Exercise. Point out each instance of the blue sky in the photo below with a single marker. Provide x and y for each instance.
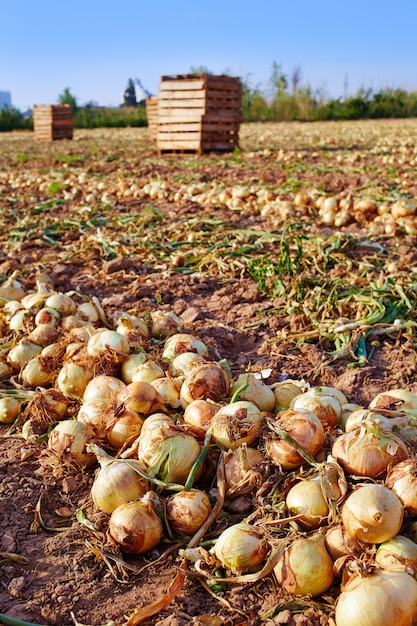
(94, 47)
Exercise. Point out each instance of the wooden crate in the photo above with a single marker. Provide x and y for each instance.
(198, 113)
(52, 121)
(152, 115)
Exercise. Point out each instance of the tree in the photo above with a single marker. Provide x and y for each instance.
(278, 81)
(66, 97)
(296, 78)
(129, 95)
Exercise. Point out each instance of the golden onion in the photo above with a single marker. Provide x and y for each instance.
(241, 548)
(188, 510)
(372, 513)
(237, 423)
(135, 527)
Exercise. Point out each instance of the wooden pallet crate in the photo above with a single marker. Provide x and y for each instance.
(52, 122)
(198, 113)
(152, 115)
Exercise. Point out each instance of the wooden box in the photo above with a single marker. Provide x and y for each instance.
(198, 113)
(152, 115)
(52, 121)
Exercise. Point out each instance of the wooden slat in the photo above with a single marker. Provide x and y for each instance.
(181, 84)
(180, 127)
(182, 95)
(174, 137)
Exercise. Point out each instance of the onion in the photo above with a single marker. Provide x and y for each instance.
(68, 441)
(95, 412)
(34, 374)
(372, 513)
(303, 426)
(37, 298)
(11, 289)
(242, 471)
(167, 450)
(147, 372)
(398, 552)
(88, 311)
(134, 328)
(131, 363)
(135, 527)
(167, 391)
(188, 510)
(306, 498)
(256, 391)
(9, 409)
(103, 386)
(21, 321)
(141, 397)
(402, 480)
(383, 598)
(339, 544)
(182, 342)
(237, 423)
(241, 548)
(369, 451)
(73, 379)
(199, 415)
(117, 482)
(165, 324)
(305, 568)
(327, 408)
(44, 334)
(106, 340)
(126, 425)
(47, 315)
(62, 303)
(395, 400)
(181, 365)
(205, 381)
(284, 392)
(22, 352)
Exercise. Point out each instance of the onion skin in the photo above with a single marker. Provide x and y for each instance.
(68, 441)
(135, 527)
(303, 426)
(402, 480)
(199, 415)
(205, 381)
(306, 498)
(241, 548)
(383, 598)
(372, 514)
(188, 510)
(369, 451)
(256, 392)
(237, 423)
(305, 567)
(117, 483)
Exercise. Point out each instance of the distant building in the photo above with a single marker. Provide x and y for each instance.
(5, 99)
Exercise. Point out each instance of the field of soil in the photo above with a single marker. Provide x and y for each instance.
(293, 257)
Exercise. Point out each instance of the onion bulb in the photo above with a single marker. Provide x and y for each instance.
(395, 400)
(123, 427)
(303, 426)
(116, 482)
(106, 340)
(306, 498)
(68, 440)
(73, 379)
(135, 527)
(147, 372)
(167, 391)
(181, 365)
(9, 409)
(237, 423)
(305, 567)
(372, 513)
(103, 386)
(284, 392)
(166, 449)
(255, 391)
(398, 552)
(139, 396)
(182, 342)
(327, 408)
(164, 324)
(241, 548)
(382, 598)
(205, 381)
(402, 480)
(131, 363)
(369, 451)
(188, 510)
(199, 414)
(242, 470)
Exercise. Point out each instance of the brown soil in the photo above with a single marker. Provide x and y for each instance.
(66, 575)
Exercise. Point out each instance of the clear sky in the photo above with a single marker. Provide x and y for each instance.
(94, 46)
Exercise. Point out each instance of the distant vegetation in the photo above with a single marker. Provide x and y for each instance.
(284, 100)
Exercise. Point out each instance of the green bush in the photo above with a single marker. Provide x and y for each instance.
(12, 119)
